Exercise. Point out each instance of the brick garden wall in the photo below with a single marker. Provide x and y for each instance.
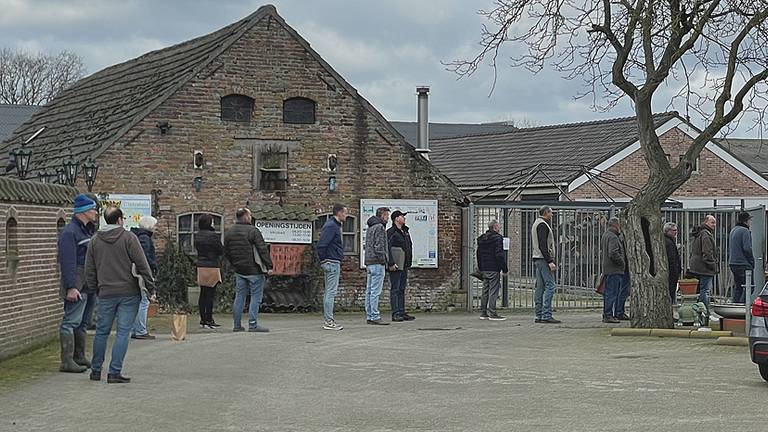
(715, 176)
(29, 297)
(269, 65)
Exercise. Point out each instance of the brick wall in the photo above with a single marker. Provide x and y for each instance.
(715, 176)
(269, 65)
(30, 309)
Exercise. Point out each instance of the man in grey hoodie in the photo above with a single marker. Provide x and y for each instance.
(740, 257)
(376, 256)
(114, 256)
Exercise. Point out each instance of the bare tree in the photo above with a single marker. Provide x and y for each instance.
(35, 78)
(715, 50)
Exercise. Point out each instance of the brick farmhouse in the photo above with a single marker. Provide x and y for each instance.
(247, 114)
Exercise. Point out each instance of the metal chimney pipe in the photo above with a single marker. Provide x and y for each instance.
(423, 118)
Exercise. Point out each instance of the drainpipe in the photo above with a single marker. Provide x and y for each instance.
(423, 118)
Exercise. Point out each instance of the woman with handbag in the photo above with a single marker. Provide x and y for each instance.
(209, 252)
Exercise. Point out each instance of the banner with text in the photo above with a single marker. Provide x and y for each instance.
(133, 207)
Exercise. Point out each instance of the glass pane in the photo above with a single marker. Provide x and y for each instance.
(349, 243)
(186, 244)
(185, 223)
(195, 221)
(349, 225)
(217, 223)
(274, 180)
(236, 108)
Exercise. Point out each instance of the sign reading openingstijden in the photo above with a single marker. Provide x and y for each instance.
(285, 231)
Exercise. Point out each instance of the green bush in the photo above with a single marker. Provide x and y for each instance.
(175, 273)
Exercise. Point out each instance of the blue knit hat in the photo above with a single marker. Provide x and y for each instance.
(83, 204)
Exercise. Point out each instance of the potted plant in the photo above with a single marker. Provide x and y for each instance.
(688, 286)
(175, 274)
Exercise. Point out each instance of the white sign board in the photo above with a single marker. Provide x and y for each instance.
(421, 220)
(133, 207)
(285, 231)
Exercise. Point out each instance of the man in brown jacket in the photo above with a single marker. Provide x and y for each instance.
(704, 257)
(114, 256)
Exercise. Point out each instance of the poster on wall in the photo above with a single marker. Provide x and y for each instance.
(133, 207)
(285, 231)
(421, 220)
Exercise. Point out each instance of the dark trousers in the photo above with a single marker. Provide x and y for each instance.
(398, 280)
(491, 286)
(739, 280)
(205, 303)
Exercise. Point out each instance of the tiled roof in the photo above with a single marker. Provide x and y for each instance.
(285, 212)
(410, 130)
(752, 151)
(29, 191)
(90, 116)
(489, 159)
(13, 116)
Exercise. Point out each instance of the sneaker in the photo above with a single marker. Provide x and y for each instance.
(550, 321)
(398, 319)
(408, 317)
(376, 322)
(331, 325)
(213, 324)
(117, 379)
(258, 329)
(144, 337)
(238, 329)
(623, 317)
(537, 320)
(484, 316)
(493, 316)
(610, 320)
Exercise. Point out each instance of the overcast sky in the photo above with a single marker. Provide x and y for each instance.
(384, 48)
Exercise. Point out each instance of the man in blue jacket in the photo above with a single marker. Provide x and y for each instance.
(330, 251)
(79, 299)
(491, 260)
(740, 257)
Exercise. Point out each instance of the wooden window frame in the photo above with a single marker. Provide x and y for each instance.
(261, 148)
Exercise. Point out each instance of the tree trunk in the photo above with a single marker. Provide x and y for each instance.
(650, 306)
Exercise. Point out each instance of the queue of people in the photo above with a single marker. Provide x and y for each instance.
(117, 269)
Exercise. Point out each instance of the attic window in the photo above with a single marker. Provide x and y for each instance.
(236, 108)
(299, 110)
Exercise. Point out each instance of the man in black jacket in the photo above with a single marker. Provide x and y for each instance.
(673, 258)
(490, 261)
(400, 245)
(241, 243)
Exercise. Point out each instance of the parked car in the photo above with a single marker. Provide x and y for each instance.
(758, 332)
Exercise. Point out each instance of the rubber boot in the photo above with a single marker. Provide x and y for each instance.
(79, 353)
(67, 351)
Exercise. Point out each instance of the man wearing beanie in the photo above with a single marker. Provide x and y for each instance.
(78, 298)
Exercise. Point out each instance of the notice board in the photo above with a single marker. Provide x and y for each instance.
(421, 219)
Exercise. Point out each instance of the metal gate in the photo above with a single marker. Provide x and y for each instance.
(578, 230)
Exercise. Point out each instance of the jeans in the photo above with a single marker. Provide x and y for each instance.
(398, 280)
(705, 286)
(77, 314)
(491, 287)
(140, 325)
(332, 272)
(615, 295)
(373, 291)
(244, 285)
(124, 309)
(545, 289)
(739, 280)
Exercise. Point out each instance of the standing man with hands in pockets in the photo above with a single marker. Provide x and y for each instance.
(330, 251)
(543, 244)
(490, 261)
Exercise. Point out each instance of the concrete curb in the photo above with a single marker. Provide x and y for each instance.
(630, 332)
(674, 333)
(732, 341)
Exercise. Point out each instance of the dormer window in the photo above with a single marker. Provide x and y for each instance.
(236, 108)
(299, 110)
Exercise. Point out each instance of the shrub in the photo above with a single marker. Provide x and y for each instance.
(175, 274)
